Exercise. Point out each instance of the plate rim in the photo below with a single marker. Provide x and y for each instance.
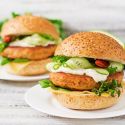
(111, 114)
(15, 77)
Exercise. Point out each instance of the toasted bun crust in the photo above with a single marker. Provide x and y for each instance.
(28, 24)
(32, 53)
(92, 45)
(84, 100)
(28, 68)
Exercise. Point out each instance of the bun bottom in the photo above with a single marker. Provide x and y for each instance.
(84, 100)
(28, 68)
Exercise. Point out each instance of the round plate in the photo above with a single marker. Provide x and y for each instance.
(6, 76)
(41, 100)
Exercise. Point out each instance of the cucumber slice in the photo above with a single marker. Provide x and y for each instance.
(76, 63)
(101, 71)
(49, 66)
(118, 65)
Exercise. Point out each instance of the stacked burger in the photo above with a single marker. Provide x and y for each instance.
(27, 44)
(87, 71)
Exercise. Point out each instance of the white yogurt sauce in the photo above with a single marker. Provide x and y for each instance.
(89, 72)
(31, 41)
(23, 43)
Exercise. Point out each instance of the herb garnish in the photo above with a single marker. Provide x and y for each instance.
(112, 70)
(60, 60)
(109, 87)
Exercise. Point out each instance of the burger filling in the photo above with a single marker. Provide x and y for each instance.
(29, 41)
(84, 74)
(35, 40)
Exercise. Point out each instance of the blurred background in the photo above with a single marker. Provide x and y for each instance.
(78, 15)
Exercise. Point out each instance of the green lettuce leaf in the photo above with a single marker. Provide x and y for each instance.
(59, 26)
(14, 14)
(2, 23)
(45, 83)
(3, 45)
(4, 60)
(18, 60)
(47, 37)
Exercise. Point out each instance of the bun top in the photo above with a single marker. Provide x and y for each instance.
(28, 24)
(92, 45)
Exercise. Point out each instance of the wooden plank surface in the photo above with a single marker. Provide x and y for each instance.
(78, 15)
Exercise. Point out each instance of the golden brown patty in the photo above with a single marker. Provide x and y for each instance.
(73, 82)
(32, 53)
(117, 76)
(79, 82)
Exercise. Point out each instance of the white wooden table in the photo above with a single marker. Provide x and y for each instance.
(78, 15)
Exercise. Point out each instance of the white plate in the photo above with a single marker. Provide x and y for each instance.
(6, 76)
(41, 100)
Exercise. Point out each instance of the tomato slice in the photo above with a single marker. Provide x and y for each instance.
(7, 39)
(102, 63)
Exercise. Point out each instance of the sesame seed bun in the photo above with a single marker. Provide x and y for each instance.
(28, 68)
(84, 100)
(28, 24)
(92, 45)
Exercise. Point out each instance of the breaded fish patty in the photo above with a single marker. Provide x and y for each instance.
(79, 82)
(32, 53)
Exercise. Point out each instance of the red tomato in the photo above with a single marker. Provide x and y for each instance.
(7, 39)
(102, 63)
